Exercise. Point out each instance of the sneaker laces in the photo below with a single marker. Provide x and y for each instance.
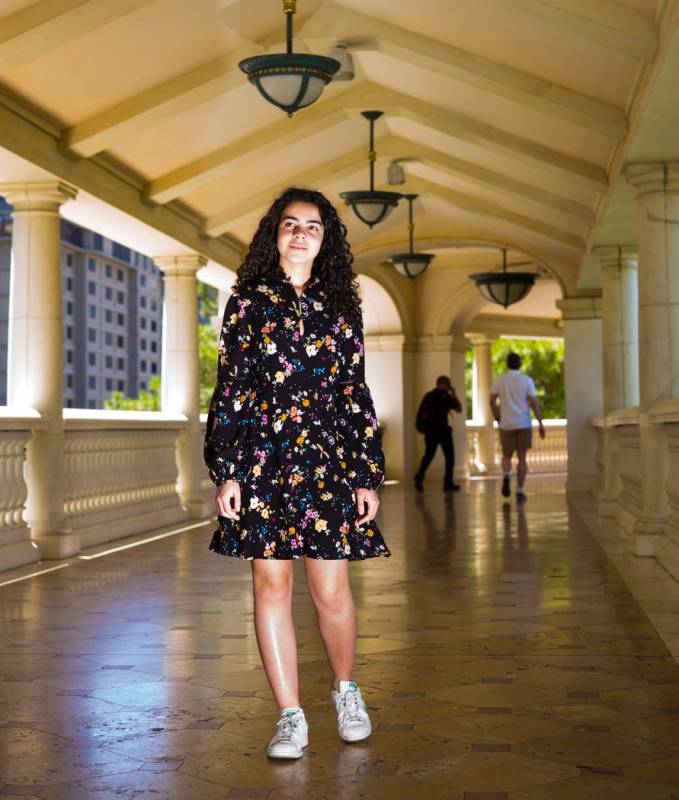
(287, 728)
(352, 711)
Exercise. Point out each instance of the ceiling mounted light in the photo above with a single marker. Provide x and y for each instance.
(504, 288)
(370, 206)
(290, 80)
(411, 264)
(346, 71)
(396, 175)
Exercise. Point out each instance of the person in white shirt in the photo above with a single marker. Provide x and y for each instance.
(517, 396)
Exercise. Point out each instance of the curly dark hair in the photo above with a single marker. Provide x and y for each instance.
(333, 264)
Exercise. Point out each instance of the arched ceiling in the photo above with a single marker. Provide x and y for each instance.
(512, 111)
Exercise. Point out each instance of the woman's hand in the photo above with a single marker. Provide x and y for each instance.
(367, 503)
(228, 500)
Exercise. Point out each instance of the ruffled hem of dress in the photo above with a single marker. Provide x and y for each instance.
(237, 551)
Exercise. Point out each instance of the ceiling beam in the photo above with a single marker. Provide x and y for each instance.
(485, 209)
(467, 129)
(157, 104)
(397, 147)
(332, 23)
(225, 160)
(241, 207)
(610, 25)
(48, 24)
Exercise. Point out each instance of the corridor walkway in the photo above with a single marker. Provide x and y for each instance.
(500, 652)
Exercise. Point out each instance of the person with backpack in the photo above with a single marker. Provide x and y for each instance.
(432, 421)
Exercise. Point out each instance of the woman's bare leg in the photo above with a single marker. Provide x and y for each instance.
(329, 587)
(272, 585)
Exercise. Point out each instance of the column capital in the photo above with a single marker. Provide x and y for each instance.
(617, 256)
(480, 339)
(655, 177)
(37, 195)
(443, 342)
(580, 307)
(181, 265)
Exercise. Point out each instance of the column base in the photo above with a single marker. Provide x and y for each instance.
(55, 546)
(196, 507)
(18, 554)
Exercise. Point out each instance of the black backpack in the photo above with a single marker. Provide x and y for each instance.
(423, 413)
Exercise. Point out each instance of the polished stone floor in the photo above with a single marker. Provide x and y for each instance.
(500, 653)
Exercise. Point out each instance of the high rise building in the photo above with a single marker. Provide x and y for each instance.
(112, 310)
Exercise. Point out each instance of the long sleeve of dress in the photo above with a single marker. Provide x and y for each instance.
(227, 448)
(360, 439)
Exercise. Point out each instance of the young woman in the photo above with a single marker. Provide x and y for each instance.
(293, 445)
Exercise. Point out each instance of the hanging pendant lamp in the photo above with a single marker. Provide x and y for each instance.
(370, 206)
(411, 264)
(290, 80)
(504, 288)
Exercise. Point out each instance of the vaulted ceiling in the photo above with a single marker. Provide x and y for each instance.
(512, 113)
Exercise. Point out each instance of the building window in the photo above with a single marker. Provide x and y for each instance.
(121, 319)
(142, 280)
(69, 284)
(109, 271)
(121, 341)
(69, 356)
(92, 359)
(91, 335)
(154, 325)
(91, 265)
(109, 315)
(121, 386)
(69, 381)
(121, 363)
(142, 322)
(98, 242)
(91, 403)
(109, 339)
(109, 362)
(154, 347)
(109, 385)
(121, 297)
(69, 308)
(142, 301)
(154, 368)
(142, 365)
(69, 332)
(92, 381)
(92, 312)
(120, 275)
(142, 344)
(154, 305)
(69, 260)
(142, 385)
(108, 293)
(91, 287)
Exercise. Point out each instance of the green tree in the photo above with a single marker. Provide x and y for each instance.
(148, 399)
(542, 359)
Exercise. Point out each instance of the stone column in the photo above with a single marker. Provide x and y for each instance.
(620, 329)
(443, 355)
(483, 380)
(584, 390)
(35, 354)
(657, 187)
(180, 373)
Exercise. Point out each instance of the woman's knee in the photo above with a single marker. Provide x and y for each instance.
(272, 580)
(332, 597)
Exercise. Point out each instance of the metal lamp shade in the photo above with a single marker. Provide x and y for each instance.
(504, 288)
(290, 81)
(412, 265)
(371, 207)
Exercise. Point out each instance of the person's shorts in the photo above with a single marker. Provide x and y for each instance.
(516, 439)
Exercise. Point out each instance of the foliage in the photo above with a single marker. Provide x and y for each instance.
(542, 359)
(148, 399)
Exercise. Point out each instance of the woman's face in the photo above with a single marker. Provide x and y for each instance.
(300, 233)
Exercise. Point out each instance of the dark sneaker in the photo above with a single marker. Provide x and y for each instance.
(451, 487)
(418, 484)
(521, 497)
(505, 486)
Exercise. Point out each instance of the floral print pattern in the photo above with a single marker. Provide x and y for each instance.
(293, 421)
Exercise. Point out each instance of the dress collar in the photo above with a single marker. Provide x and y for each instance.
(280, 278)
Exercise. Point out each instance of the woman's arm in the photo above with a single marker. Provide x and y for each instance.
(360, 440)
(225, 451)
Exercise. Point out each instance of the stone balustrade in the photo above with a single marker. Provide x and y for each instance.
(548, 455)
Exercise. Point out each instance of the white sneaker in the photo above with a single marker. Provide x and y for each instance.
(353, 721)
(292, 735)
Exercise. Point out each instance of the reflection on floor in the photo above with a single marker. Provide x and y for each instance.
(500, 653)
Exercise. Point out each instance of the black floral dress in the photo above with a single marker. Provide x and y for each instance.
(292, 420)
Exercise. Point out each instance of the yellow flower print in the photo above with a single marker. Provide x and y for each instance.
(369, 432)
(321, 525)
(279, 377)
(305, 402)
(257, 470)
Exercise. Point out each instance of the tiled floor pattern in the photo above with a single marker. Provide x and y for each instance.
(501, 655)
